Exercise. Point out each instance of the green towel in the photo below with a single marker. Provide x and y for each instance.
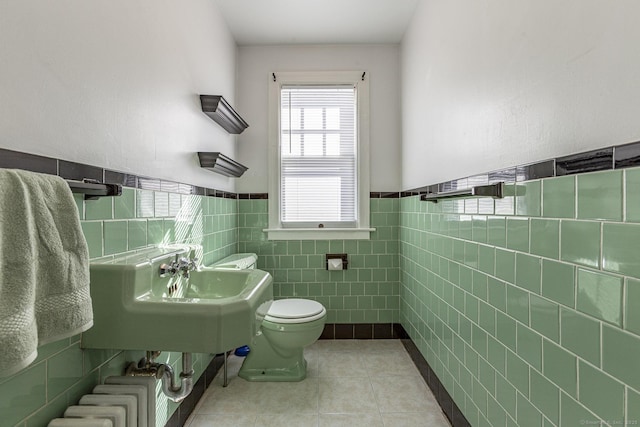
(44, 262)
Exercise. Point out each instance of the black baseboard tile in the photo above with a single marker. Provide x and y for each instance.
(362, 331)
(449, 407)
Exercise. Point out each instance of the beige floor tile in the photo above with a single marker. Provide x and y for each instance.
(346, 395)
(403, 394)
(393, 362)
(288, 420)
(340, 364)
(290, 397)
(312, 357)
(221, 420)
(414, 419)
(240, 397)
(381, 345)
(351, 420)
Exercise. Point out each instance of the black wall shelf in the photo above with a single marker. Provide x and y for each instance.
(219, 163)
(219, 110)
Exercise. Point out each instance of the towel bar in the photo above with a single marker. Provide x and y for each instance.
(93, 189)
(493, 190)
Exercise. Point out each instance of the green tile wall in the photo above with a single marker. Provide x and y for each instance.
(63, 372)
(535, 321)
(367, 292)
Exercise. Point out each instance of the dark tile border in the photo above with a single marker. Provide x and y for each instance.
(613, 157)
(78, 171)
(449, 407)
(179, 417)
(362, 331)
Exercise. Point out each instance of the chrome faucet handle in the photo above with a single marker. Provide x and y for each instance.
(168, 270)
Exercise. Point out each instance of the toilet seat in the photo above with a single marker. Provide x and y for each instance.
(295, 310)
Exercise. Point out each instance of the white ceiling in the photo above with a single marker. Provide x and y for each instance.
(264, 22)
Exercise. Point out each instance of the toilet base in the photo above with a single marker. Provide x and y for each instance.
(264, 364)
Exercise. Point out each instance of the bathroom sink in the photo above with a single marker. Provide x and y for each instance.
(210, 311)
(216, 284)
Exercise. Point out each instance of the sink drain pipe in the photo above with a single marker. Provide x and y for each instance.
(162, 371)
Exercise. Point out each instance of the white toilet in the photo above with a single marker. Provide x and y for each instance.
(289, 326)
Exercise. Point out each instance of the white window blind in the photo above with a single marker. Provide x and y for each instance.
(318, 156)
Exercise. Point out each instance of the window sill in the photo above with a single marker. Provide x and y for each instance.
(319, 233)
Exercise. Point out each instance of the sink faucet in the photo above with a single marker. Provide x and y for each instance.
(180, 266)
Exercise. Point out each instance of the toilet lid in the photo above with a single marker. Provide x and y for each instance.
(295, 310)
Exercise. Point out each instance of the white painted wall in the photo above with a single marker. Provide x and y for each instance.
(381, 62)
(496, 83)
(115, 83)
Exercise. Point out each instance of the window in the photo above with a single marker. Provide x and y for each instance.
(318, 142)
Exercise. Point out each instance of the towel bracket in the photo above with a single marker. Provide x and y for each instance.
(93, 189)
(492, 190)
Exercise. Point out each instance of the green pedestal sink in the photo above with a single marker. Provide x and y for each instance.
(211, 311)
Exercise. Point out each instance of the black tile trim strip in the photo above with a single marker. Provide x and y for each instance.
(449, 407)
(10, 159)
(179, 417)
(384, 195)
(614, 157)
(363, 331)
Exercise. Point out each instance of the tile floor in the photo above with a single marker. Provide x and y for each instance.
(349, 383)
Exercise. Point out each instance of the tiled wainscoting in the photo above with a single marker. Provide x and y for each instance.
(527, 308)
(63, 372)
(367, 292)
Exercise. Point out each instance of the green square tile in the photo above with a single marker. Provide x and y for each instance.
(505, 265)
(518, 373)
(558, 282)
(506, 330)
(518, 234)
(632, 302)
(115, 237)
(487, 376)
(124, 206)
(601, 393)
(528, 415)
(574, 414)
(506, 395)
(64, 370)
(545, 237)
(497, 231)
(496, 354)
(479, 230)
(600, 295)
(480, 285)
(155, 233)
(600, 195)
(528, 272)
(518, 304)
(529, 346)
(558, 197)
(632, 194)
(580, 242)
(101, 208)
(620, 355)
(294, 247)
(560, 367)
(545, 317)
(580, 334)
(486, 259)
(495, 413)
(137, 233)
(93, 234)
(497, 293)
(465, 227)
(54, 409)
(546, 396)
(528, 198)
(23, 394)
(620, 249)
(633, 407)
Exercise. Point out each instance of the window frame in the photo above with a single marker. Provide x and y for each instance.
(361, 231)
